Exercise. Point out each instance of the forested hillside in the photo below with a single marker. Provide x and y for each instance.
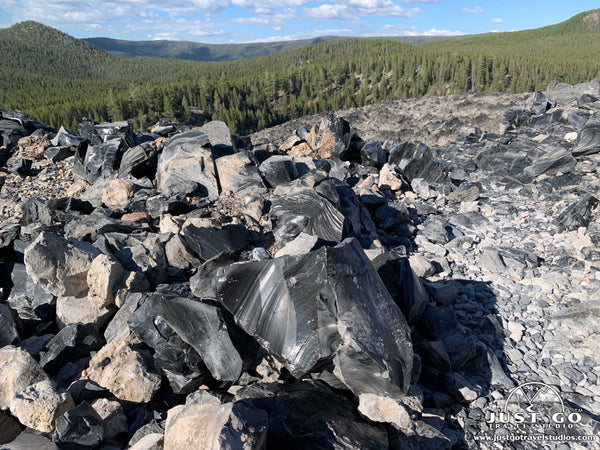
(195, 51)
(58, 79)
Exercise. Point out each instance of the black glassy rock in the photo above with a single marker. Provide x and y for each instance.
(327, 303)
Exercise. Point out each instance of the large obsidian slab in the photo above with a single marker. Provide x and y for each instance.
(102, 159)
(32, 304)
(186, 165)
(329, 303)
(417, 161)
(172, 317)
(300, 209)
(208, 243)
(180, 363)
(589, 141)
(139, 161)
(578, 214)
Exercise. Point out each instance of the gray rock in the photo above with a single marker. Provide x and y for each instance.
(552, 163)
(58, 265)
(421, 188)
(38, 405)
(186, 166)
(444, 293)
(278, 169)
(538, 103)
(416, 161)
(102, 160)
(460, 388)
(434, 229)
(303, 243)
(421, 266)
(152, 427)
(384, 409)
(372, 154)
(213, 426)
(419, 436)
(236, 172)
(578, 214)
(154, 441)
(56, 154)
(18, 371)
(28, 300)
(116, 364)
(139, 161)
(301, 209)
(204, 328)
(491, 261)
(72, 342)
(29, 440)
(179, 255)
(107, 131)
(163, 127)
(111, 412)
(117, 329)
(219, 135)
(468, 195)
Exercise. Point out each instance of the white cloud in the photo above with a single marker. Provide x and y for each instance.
(475, 10)
(57, 12)
(414, 31)
(421, 1)
(163, 37)
(352, 10)
(434, 32)
(497, 20)
(331, 11)
(494, 31)
(268, 4)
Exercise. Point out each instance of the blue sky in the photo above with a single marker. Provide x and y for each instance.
(224, 21)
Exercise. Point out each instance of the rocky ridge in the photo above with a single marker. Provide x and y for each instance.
(186, 288)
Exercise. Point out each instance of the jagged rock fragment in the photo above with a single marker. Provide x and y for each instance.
(72, 342)
(80, 427)
(18, 370)
(58, 265)
(186, 166)
(214, 426)
(38, 405)
(102, 277)
(117, 364)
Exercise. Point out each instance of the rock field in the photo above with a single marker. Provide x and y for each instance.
(411, 275)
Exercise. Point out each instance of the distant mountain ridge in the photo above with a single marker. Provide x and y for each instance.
(195, 51)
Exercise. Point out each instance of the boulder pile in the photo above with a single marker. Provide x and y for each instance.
(185, 289)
